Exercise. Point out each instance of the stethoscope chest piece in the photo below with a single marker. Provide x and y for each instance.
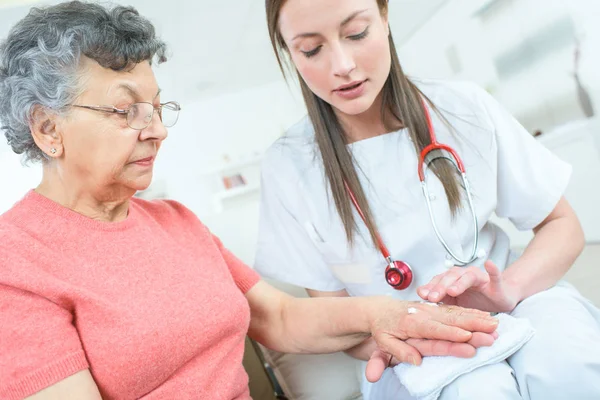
(399, 275)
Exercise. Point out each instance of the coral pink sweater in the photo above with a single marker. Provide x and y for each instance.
(153, 305)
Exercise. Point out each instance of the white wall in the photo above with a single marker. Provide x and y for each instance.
(236, 126)
(15, 179)
(541, 96)
(577, 143)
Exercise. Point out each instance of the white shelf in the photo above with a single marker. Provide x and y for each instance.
(233, 166)
(236, 192)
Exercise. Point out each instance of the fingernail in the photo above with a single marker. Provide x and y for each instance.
(453, 288)
(434, 295)
(424, 292)
(412, 360)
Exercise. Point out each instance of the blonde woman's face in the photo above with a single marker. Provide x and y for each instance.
(340, 48)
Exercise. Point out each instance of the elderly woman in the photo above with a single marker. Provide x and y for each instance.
(103, 295)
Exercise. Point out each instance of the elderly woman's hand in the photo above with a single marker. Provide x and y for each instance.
(381, 360)
(394, 322)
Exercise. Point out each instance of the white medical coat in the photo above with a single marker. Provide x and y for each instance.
(301, 237)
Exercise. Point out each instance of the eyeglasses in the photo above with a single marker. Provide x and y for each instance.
(139, 115)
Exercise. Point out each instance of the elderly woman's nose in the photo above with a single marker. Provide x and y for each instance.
(156, 129)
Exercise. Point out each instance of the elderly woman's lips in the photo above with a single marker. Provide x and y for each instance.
(145, 161)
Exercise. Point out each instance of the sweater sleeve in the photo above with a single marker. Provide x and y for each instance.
(245, 277)
(39, 345)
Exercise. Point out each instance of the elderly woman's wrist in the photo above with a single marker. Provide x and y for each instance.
(382, 306)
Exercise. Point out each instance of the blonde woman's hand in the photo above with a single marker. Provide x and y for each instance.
(474, 288)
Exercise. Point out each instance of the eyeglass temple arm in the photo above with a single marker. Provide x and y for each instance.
(102, 108)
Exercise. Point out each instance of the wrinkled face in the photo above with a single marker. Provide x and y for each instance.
(340, 48)
(100, 149)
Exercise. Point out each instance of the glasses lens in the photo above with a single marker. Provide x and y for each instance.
(140, 115)
(169, 113)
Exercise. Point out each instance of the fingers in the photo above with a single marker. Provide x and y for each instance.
(442, 348)
(453, 283)
(492, 270)
(446, 348)
(432, 329)
(457, 280)
(402, 351)
(435, 290)
(439, 290)
(466, 319)
(425, 290)
(380, 360)
(480, 339)
(468, 280)
(429, 347)
(376, 365)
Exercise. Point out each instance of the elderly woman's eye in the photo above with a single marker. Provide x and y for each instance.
(133, 110)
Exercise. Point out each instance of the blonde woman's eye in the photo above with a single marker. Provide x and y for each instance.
(360, 36)
(311, 53)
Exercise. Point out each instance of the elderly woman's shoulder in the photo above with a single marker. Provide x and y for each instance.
(161, 206)
(9, 221)
(12, 237)
(165, 210)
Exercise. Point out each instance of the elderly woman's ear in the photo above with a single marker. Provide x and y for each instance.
(45, 129)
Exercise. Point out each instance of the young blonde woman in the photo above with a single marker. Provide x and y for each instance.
(388, 186)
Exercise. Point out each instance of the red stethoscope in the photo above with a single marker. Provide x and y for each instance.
(398, 274)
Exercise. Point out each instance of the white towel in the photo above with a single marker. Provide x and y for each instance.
(426, 381)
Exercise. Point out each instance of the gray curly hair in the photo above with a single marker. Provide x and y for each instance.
(39, 60)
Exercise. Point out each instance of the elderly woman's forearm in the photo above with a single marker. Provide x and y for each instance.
(323, 325)
(315, 325)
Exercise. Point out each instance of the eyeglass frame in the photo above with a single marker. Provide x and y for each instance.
(115, 110)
